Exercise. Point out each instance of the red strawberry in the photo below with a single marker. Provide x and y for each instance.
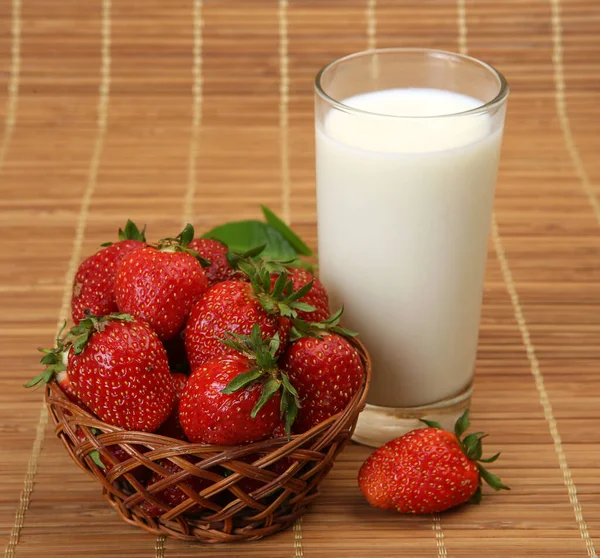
(235, 306)
(216, 253)
(160, 285)
(316, 296)
(239, 398)
(427, 470)
(173, 495)
(118, 367)
(94, 282)
(212, 417)
(326, 373)
(228, 306)
(172, 427)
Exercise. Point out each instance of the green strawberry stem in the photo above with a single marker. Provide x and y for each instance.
(280, 299)
(77, 337)
(130, 232)
(181, 244)
(302, 328)
(473, 449)
(263, 354)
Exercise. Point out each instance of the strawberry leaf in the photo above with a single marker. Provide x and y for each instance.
(300, 292)
(274, 344)
(492, 480)
(290, 411)
(242, 380)
(344, 331)
(472, 447)
(476, 498)
(490, 459)
(294, 240)
(288, 385)
(303, 306)
(186, 235)
(431, 423)
(242, 236)
(280, 285)
(132, 232)
(41, 379)
(95, 457)
(462, 424)
(269, 389)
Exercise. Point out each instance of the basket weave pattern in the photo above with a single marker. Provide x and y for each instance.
(224, 511)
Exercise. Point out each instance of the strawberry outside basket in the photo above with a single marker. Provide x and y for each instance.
(226, 510)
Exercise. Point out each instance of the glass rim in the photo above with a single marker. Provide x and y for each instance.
(500, 97)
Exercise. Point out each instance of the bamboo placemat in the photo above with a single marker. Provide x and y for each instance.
(166, 110)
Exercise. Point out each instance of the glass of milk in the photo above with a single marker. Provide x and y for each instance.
(407, 144)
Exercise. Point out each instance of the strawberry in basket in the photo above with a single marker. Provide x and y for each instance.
(94, 282)
(118, 368)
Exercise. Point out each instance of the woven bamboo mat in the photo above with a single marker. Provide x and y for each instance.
(166, 110)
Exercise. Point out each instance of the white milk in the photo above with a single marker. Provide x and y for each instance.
(404, 207)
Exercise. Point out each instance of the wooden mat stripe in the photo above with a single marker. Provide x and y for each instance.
(64, 312)
(561, 108)
(510, 283)
(13, 85)
(570, 146)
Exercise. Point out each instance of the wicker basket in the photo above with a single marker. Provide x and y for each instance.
(225, 511)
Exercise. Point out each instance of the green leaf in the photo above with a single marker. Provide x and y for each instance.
(269, 389)
(203, 261)
(255, 336)
(241, 236)
(343, 331)
(95, 457)
(431, 423)
(80, 341)
(132, 232)
(288, 385)
(253, 252)
(279, 286)
(295, 241)
(490, 459)
(274, 344)
(303, 306)
(41, 379)
(290, 414)
(472, 445)
(300, 292)
(476, 498)
(242, 380)
(492, 480)
(462, 424)
(186, 235)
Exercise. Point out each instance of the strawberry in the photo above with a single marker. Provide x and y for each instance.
(428, 470)
(235, 306)
(236, 399)
(216, 253)
(325, 369)
(94, 282)
(173, 495)
(161, 284)
(316, 296)
(118, 368)
(172, 427)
